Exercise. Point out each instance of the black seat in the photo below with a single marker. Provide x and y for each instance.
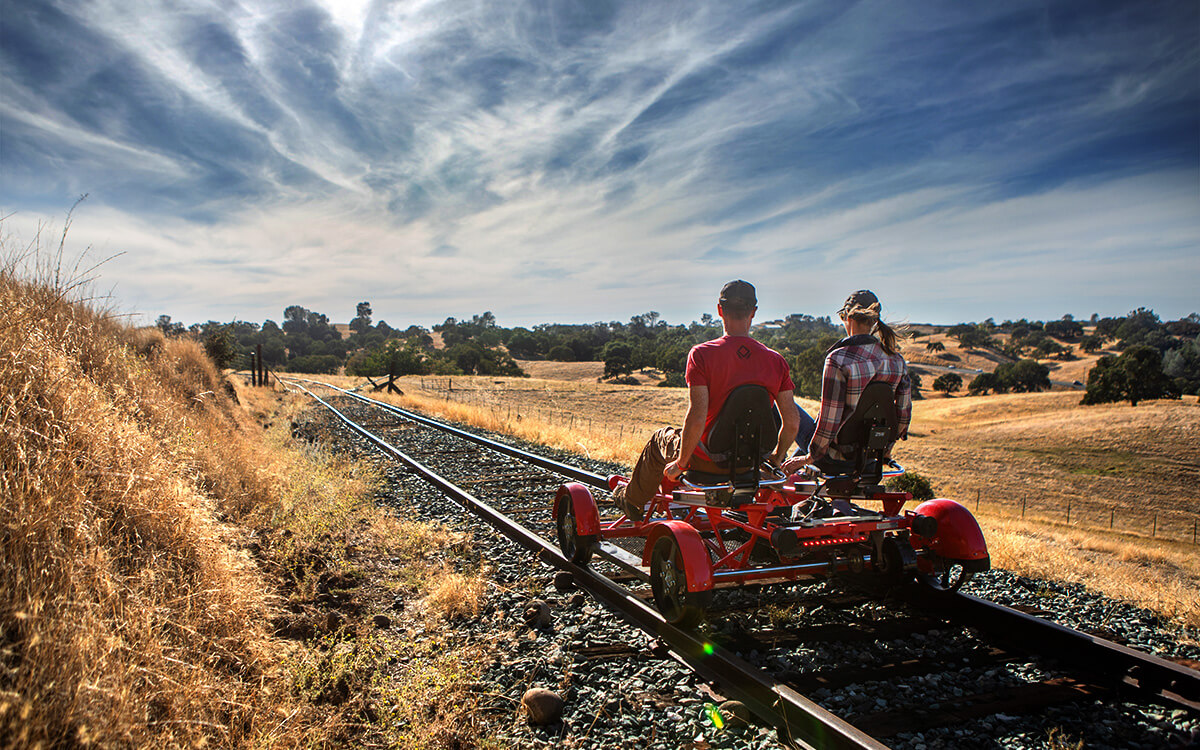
(744, 433)
(868, 432)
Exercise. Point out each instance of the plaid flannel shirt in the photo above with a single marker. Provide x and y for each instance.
(850, 366)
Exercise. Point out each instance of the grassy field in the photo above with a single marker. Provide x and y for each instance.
(1111, 463)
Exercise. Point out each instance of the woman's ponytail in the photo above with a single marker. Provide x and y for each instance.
(888, 338)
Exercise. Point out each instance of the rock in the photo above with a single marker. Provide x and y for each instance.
(564, 581)
(577, 599)
(542, 706)
(735, 714)
(382, 621)
(537, 614)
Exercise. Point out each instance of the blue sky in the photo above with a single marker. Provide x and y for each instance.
(583, 161)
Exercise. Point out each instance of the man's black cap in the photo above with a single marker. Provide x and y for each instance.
(738, 294)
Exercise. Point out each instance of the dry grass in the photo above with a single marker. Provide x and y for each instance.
(580, 372)
(126, 618)
(1045, 449)
(456, 595)
(967, 360)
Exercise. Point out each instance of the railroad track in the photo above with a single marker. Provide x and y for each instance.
(781, 673)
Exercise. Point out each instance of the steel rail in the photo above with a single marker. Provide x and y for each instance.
(587, 477)
(797, 719)
(1147, 673)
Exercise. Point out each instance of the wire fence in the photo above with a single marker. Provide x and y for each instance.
(1170, 525)
(488, 399)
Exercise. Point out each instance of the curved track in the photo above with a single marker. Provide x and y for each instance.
(519, 486)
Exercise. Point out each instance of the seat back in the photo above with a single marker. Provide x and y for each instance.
(743, 434)
(871, 428)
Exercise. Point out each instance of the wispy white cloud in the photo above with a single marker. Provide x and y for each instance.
(586, 161)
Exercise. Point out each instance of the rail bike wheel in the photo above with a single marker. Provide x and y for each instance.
(575, 547)
(668, 581)
(947, 576)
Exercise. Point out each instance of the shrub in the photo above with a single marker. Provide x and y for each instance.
(625, 380)
(221, 347)
(1024, 376)
(913, 483)
(673, 380)
(982, 383)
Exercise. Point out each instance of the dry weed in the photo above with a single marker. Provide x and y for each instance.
(125, 616)
(456, 595)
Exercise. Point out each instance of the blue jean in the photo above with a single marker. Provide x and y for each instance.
(828, 466)
(808, 426)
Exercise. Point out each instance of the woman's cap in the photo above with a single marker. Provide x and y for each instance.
(862, 300)
(738, 294)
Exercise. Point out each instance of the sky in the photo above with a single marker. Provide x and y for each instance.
(586, 160)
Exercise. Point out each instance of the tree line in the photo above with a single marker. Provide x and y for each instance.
(1155, 357)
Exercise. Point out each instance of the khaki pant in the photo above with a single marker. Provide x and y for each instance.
(662, 449)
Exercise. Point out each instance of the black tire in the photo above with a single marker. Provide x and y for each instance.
(947, 577)
(668, 580)
(891, 563)
(575, 547)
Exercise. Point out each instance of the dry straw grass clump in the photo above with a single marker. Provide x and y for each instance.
(125, 618)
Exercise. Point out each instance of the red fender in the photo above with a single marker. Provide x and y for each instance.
(696, 562)
(587, 515)
(958, 534)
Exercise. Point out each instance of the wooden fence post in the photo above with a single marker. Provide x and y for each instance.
(1112, 517)
(262, 368)
(1023, 497)
(1154, 530)
(1068, 511)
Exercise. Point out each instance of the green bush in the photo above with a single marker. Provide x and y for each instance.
(913, 483)
(673, 380)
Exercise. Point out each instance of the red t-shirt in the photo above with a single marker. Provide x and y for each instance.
(725, 363)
